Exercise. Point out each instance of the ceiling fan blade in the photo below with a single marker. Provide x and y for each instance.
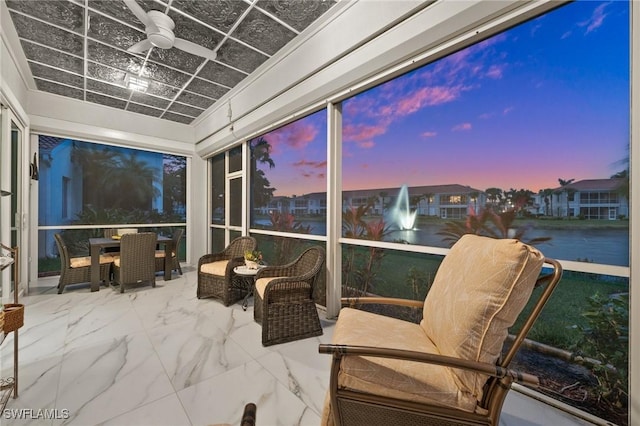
(137, 10)
(140, 46)
(194, 49)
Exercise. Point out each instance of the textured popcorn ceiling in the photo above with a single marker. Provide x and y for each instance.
(78, 49)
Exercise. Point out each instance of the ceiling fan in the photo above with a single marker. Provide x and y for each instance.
(159, 29)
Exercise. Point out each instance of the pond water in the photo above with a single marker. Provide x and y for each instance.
(607, 246)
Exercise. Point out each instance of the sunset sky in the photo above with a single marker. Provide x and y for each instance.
(545, 100)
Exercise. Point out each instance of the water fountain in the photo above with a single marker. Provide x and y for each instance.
(401, 213)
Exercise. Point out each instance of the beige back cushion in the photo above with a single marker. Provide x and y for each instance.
(479, 290)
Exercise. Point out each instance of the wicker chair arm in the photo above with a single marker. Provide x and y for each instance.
(236, 261)
(338, 351)
(355, 301)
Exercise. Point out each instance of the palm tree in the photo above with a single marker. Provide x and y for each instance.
(521, 198)
(509, 197)
(494, 195)
(95, 164)
(261, 190)
(360, 266)
(563, 185)
(174, 191)
(623, 188)
(132, 184)
(547, 195)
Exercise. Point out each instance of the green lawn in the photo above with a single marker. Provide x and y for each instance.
(558, 322)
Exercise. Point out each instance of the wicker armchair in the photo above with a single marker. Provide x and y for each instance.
(283, 299)
(75, 270)
(137, 261)
(451, 369)
(215, 271)
(160, 254)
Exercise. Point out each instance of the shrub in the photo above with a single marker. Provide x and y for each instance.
(606, 339)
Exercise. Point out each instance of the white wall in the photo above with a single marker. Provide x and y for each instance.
(55, 114)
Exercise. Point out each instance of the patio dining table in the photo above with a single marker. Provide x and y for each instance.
(97, 244)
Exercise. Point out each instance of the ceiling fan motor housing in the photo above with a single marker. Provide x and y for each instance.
(162, 36)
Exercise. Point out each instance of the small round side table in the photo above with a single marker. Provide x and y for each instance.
(246, 280)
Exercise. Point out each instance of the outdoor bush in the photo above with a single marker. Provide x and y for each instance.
(360, 266)
(285, 248)
(420, 282)
(550, 334)
(606, 339)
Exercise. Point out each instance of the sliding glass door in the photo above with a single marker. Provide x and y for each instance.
(12, 149)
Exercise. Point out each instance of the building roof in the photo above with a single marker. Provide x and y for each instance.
(453, 188)
(611, 184)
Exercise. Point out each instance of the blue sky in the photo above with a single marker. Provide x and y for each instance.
(547, 99)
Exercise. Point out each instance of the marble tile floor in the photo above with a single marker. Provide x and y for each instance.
(160, 356)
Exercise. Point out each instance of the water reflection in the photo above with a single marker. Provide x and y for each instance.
(606, 246)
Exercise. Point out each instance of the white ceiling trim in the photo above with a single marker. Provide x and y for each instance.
(61, 115)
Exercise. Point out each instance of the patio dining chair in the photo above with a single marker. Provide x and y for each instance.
(283, 299)
(451, 368)
(215, 271)
(136, 262)
(76, 270)
(110, 233)
(175, 262)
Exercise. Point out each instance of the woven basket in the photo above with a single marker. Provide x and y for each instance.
(13, 317)
(2, 320)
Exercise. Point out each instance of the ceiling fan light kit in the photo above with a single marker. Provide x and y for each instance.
(161, 34)
(136, 83)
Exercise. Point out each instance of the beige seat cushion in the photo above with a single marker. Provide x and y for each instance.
(160, 253)
(411, 381)
(79, 262)
(215, 268)
(261, 284)
(479, 290)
